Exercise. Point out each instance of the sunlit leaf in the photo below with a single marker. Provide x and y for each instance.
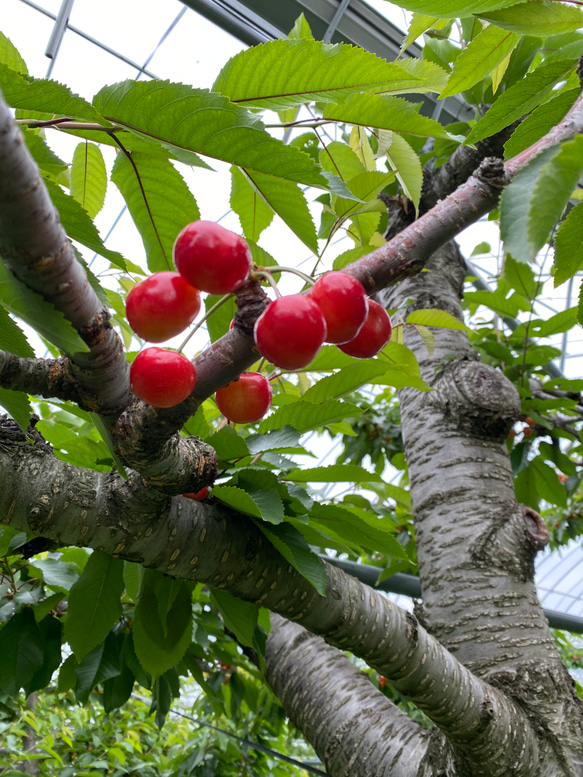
(89, 177)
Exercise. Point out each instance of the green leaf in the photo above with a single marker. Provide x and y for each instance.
(44, 96)
(262, 486)
(376, 534)
(347, 257)
(390, 113)
(521, 98)
(345, 381)
(540, 121)
(479, 58)
(219, 322)
(557, 324)
(44, 156)
(89, 177)
(427, 336)
(292, 546)
(253, 212)
(21, 651)
(515, 207)
(159, 201)
(548, 485)
(50, 629)
(284, 73)
(366, 187)
(18, 406)
(21, 301)
(10, 56)
(407, 165)
(580, 305)
(433, 317)
(541, 18)
(304, 416)
(282, 439)
(339, 159)
(569, 246)
(78, 224)
(98, 666)
(238, 499)
(452, 8)
(431, 77)
(228, 444)
(301, 29)
(163, 622)
(289, 202)
(197, 120)
(12, 338)
(554, 186)
(419, 24)
(520, 276)
(56, 573)
(335, 473)
(94, 603)
(240, 617)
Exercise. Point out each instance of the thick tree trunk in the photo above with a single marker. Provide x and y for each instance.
(475, 544)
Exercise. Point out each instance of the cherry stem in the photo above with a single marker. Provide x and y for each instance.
(299, 273)
(206, 316)
(266, 275)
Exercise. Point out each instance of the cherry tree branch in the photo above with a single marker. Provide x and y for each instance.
(225, 550)
(41, 377)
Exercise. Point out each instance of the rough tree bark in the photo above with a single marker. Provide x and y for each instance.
(488, 677)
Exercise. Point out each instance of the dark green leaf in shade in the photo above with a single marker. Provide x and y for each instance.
(238, 499)
(10, 56)
(56, 573)
(79, 226)
(553, 188)
(21, 651)
(515, 207)
(484, 53)
(281, 74)
(117, 690)
(159, 201)
(569, 246)
(522, 97)
(254, 213)
(293, 547)
(390, 113)
(101, 664)
(207, 123)
(44, 156)
(304, 416)
(94, 603)
(50, 629)
(26, 304)
(540, 121)
(278, 440)
(67, 677)
(89, 177)
(263, 487)
(541, 18)
(18, 406)
(288, 201)
(240, 617)
(44, 96)
(580, 306)
(163, 622)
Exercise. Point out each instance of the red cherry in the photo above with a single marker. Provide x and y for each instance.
(245, 400)
(162, 306)
(374, 335)
(212, 258)
(344, 304)
(290, 331)
(162, 378)
(200, 495)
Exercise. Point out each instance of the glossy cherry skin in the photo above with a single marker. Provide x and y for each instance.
(199, 496)
(162, 378)
(344, 304)
(162, 306)
(374, 335)
(245, 400)
(290, 331)
(212, 258)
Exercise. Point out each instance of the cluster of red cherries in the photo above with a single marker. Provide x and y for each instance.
(289, 333)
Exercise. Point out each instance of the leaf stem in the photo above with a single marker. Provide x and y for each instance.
(206, 317)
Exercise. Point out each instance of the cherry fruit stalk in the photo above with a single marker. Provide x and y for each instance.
(162, 378)
(162, 306)
(212, 258)
(245, 400)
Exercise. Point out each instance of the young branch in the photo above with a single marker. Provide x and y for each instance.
(41, 377)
